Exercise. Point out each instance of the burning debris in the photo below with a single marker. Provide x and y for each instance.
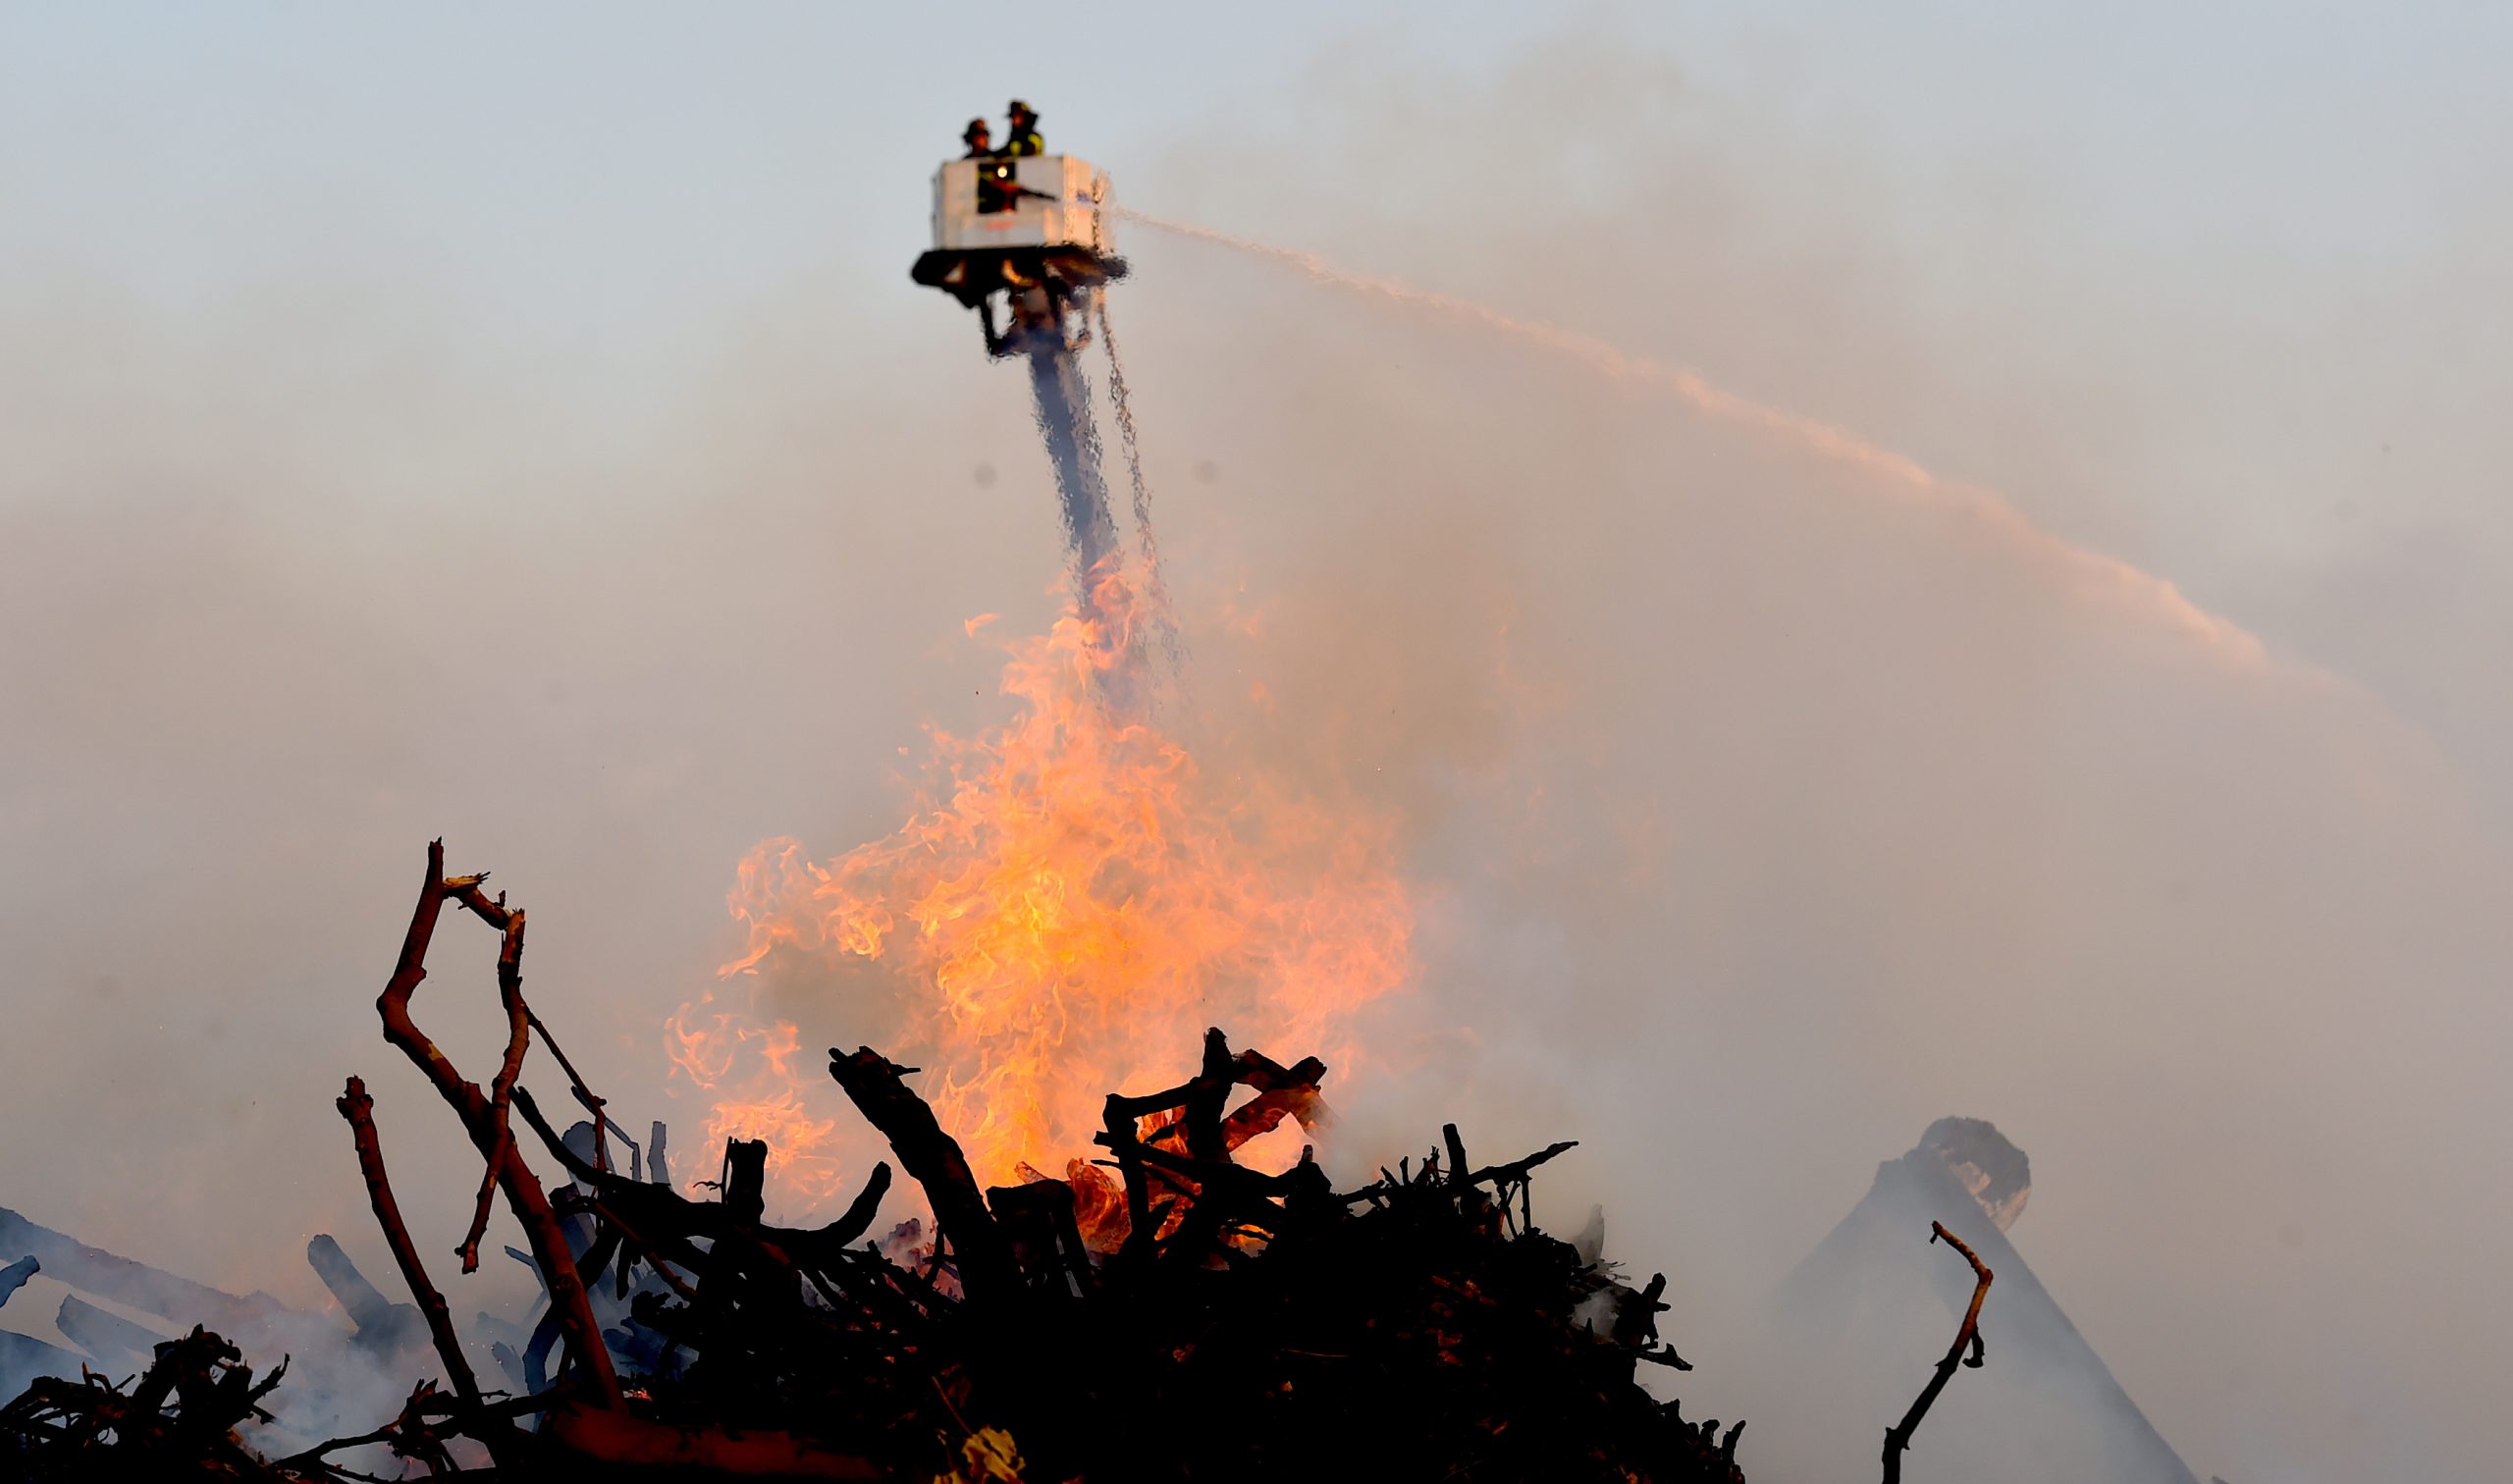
(1072, 895)
(1186, 1317)
(1072, 898)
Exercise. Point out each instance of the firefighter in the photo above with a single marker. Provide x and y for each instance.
(1022, 138)
(976, 136)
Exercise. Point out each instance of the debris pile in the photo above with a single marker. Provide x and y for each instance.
(1187, 1317)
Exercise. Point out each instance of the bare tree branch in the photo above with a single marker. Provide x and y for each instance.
(1898, 1437)
(484, 1121)
(359, 1110)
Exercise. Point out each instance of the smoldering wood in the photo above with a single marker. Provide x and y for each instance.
(934, 1160)
(744, 1180)
(383, 1326)
(1037, 1220)
(1236, 1317)
(667, 1213)
(363, 1303)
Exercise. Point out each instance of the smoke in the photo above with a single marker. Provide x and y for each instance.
(1768, 820)
(2136, 593)
(1755, 823)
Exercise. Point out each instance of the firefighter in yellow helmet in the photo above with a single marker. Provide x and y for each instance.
(1021, 137)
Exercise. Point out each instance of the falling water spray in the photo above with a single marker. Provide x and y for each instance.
(1063, 413)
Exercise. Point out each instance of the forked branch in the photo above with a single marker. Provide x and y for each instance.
(485, 1119)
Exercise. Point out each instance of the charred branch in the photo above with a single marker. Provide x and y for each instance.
(358, 1110)
(483, 1119)
(1247, 1317)
(934, 1160)
(1898, 1437)
(176, 1419)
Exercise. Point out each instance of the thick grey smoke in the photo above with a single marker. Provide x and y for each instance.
(1758, 821)
(1805, 819)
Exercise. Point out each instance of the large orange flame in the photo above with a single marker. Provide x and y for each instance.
(1072, 900)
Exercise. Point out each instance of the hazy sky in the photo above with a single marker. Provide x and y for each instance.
(515, 423)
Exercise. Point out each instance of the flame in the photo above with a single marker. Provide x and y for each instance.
(767, 1105)
(1072, 900)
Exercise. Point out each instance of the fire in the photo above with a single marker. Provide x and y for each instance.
(769, 1105)
(1072, 898)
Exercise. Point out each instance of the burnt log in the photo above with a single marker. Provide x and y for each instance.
(662, 1221)
(137, 1285)
(932, 1159)
(109, 1337)
(743, 1184)
(383, 1327)
(1038, 1219)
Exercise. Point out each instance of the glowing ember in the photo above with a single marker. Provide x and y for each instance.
(1071, 899)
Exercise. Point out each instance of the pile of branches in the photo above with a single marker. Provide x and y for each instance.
(1217, 1322)
(175, 1419)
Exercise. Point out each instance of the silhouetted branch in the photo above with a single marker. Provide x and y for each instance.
(481, 1120)
(509, 926)
(1898, 1437)
(603, 1123)
(934, 1160)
